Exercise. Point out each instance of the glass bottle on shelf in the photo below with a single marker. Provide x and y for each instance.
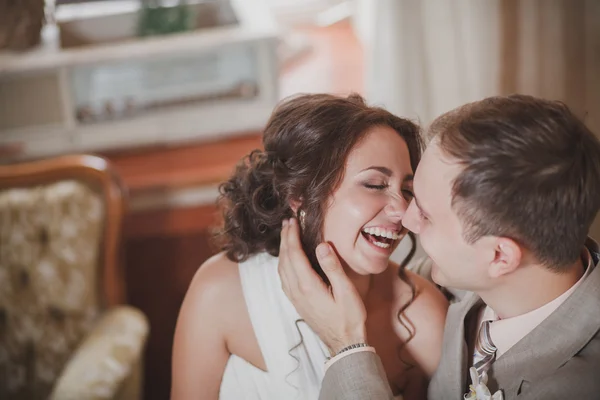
(157, 18)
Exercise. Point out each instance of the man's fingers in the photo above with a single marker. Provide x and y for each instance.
(283, 267)
(293, 236)
(288, 262)
(332, 267)
(306, 276)
(282, 236)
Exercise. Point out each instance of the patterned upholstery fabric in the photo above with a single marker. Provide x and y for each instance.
(49, 272)
(106, 357)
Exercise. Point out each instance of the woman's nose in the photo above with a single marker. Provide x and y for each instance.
(396, 206)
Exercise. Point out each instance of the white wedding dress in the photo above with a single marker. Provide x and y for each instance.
(293, 353)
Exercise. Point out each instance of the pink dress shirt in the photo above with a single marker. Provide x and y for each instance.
(505, 333)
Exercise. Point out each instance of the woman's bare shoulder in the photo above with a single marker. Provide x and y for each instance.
(428, 300)
(217, 281)
(216, 276)
(212, 305)
(218, 270)
(425, 315)
(426, 293)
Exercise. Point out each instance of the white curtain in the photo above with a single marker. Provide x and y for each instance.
(425, 57)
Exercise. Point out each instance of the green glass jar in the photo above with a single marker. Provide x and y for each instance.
(158, 19)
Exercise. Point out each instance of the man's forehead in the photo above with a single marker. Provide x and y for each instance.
(435, 173)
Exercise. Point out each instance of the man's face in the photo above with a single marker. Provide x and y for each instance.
(457, 264)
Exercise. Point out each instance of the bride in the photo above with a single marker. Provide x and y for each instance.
(345, 170)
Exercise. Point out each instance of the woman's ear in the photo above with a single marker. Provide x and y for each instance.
(295, 206)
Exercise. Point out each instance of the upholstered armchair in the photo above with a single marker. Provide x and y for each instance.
(65, 332)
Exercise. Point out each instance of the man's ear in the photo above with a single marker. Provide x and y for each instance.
(507, 257)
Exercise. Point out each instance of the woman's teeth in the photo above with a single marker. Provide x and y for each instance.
(382, 245)
(381, 237)
(382, 232)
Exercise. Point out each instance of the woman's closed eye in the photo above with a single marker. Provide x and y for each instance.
(374, 186)
(406, 193)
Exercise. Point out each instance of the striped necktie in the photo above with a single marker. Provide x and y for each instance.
(485, 351)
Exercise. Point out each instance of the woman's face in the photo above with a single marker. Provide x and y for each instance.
(363, 221)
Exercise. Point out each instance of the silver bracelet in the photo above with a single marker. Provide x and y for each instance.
(348, 348)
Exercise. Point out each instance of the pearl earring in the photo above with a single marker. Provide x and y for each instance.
(301, 218)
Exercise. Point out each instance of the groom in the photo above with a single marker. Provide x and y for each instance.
(504, 197)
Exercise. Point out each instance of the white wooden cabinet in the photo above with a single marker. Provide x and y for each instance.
(202, 84)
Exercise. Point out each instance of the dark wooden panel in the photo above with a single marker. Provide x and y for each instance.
(186, 164)
(172, 222)
(159, 270)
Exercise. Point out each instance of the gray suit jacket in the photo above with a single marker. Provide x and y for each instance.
(559, 359)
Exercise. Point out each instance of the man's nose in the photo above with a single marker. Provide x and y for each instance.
(411, 220)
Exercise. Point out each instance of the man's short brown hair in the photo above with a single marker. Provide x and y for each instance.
(531, 173)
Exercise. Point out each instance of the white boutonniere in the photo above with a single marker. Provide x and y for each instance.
(478, 390)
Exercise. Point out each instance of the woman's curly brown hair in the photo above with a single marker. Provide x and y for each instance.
(306, 143)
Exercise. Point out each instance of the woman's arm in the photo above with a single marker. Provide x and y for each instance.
(200, 350)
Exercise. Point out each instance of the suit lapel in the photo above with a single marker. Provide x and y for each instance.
(555, 341)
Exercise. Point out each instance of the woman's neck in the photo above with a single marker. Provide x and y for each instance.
(362, 283)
